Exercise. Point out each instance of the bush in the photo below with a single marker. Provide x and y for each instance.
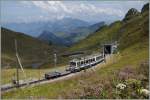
(144, 68)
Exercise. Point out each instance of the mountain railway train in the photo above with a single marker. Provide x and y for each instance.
(76, 65)
(85, 62)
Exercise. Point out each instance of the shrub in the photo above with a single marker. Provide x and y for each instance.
(126, 73)
(144, 68)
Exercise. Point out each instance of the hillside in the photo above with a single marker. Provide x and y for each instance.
(125, 32)
(67, 34)
(98, 84)
(31, 50)
(95, 40)
(81, 33)
(51, 38)
(35, 28)
(68, 30)
(128, 69)
(134, 30)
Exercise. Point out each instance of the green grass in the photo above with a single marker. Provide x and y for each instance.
(31, 50)
(132, 34)
(131, 56)
(133, 47)
(7, 74)
(95, 40)
(126, 33)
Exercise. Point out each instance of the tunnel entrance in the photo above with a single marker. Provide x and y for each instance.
(107, 49)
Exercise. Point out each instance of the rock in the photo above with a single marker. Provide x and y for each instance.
(145, 92)
(131, 13)
(145, 8)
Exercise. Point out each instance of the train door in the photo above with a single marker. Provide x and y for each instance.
(73, 64)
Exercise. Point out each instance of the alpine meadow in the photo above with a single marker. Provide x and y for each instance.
(75, 50)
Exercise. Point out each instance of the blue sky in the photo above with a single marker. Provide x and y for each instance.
(92, 11)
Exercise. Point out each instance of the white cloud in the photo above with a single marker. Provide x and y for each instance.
(52, 6)
(82, 9)
(60, 17)
(40, 4)
(61, 7)
(93, 10)
(26, 4)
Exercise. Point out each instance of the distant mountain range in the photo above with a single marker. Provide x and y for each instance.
(66, 31)
(80, 33)
(133, 29)
(36, 28)
(51, 38)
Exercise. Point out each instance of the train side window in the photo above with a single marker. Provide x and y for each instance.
(73, 63)
(101, 57)
(78, 63)
(96, 58)
(93, 59)
(82, 62)
(86, 61)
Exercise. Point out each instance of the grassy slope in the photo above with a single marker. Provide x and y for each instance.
(132, 34)
(126, 33)
(7, 74)
(66, 88)
(107, 33)
(30, 49)
(134, 52)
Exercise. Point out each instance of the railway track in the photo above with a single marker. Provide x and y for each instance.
(36, 82)
(3, 89)
(11, 87)
(64, 74)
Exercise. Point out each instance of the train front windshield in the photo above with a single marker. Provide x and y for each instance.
(72, 64)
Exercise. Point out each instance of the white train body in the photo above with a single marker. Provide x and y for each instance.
(85, 62)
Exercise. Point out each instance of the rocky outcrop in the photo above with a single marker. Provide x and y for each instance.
(131, 13)
(145, 8)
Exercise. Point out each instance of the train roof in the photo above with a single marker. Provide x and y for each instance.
(86, 57)
(53, 73)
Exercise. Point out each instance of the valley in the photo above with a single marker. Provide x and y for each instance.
(129, 65)
(64, 32)
(30, 49)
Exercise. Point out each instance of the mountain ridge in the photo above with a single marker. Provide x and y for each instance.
(50, 38)
(62, 29)
(31, 50)
(126, 32)
(72, 36)
(38, 27)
